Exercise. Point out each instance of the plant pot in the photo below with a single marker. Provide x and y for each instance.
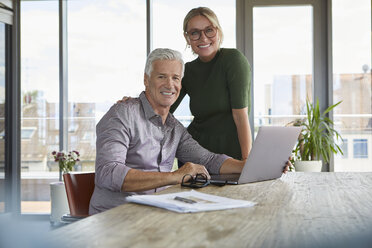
(59, 203)
(308, 166)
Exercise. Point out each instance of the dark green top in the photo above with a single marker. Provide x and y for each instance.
(216, 87)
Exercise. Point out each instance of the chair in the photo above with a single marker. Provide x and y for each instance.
(79, 190)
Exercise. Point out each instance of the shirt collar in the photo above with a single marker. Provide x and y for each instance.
(150, 113)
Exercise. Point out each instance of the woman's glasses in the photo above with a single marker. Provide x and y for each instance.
(195, 34)
(199, 181)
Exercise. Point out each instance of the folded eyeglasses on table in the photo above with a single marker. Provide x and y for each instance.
(199, 181)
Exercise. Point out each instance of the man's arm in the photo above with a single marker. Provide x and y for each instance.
(231, 166)
(137, 180)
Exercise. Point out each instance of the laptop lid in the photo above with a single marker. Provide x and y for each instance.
(270, 152)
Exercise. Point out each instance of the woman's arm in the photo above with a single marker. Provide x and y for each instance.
(241, 120)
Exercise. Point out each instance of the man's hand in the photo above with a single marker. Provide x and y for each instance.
(192, 169)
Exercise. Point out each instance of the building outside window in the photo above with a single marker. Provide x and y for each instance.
(351, 25)
(360, 148)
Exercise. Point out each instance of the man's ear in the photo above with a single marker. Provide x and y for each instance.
(145, 80)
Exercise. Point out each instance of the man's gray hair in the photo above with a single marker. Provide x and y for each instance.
(163, 54)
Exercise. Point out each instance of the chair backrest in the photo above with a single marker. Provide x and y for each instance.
(79, 190)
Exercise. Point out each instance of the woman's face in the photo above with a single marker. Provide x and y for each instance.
(206, 48)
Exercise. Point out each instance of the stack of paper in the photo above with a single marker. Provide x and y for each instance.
(189, 201)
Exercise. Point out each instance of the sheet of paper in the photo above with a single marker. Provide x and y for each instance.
(190, 201)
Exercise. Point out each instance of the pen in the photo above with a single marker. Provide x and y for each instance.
(177, 198)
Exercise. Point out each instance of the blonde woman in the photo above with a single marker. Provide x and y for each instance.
(218, 84)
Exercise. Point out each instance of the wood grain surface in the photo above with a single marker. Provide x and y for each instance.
(325, 209)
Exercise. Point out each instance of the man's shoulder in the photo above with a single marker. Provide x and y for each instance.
(124, 110)
(129, 104)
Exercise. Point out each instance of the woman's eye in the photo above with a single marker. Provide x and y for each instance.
(195, 33)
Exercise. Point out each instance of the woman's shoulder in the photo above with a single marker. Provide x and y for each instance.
(191, 63)
(232, 53)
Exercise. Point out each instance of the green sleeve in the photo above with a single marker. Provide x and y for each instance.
(239, 79)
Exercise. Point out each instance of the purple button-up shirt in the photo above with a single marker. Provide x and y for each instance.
(131, 136)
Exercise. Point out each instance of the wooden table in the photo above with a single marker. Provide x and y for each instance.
(299, 210)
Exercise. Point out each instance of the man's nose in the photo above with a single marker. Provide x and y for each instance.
(169, 82)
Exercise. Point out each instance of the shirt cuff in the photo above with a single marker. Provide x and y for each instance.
(118, 176)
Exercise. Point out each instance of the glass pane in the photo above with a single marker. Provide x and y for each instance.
(170, 33)
(352, 82)
(2, 117)
(106, 60)
(39, 106)
(282, 48)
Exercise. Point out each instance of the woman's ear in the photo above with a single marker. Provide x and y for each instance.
(186, 38)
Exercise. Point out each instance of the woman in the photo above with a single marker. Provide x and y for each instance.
(218, 83)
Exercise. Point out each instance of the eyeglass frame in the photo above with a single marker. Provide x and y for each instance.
(188, 33)
(194, 182)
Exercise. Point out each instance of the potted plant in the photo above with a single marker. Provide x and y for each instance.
(317, 140)
(59, 204)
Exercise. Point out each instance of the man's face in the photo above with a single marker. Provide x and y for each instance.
(164, 84)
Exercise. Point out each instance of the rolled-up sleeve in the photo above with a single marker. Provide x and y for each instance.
(112, 144)
(189, 150)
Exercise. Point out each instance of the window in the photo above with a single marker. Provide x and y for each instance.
(345, 149)
(106, 60)
(40, 96)
(360, 148)
(27, 133)
(106, 57)
(351, 25)
(282, 49)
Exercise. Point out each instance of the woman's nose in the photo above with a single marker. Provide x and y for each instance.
(203, 36)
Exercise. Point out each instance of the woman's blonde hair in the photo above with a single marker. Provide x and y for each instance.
(207, 13)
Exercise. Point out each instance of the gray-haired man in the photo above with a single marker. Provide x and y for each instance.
(138, 140)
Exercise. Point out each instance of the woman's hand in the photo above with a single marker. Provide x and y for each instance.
(123, 99)
(287, 165)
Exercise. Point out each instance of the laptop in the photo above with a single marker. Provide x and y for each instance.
(269, 154)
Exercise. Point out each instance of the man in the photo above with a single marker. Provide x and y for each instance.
(138, 140)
